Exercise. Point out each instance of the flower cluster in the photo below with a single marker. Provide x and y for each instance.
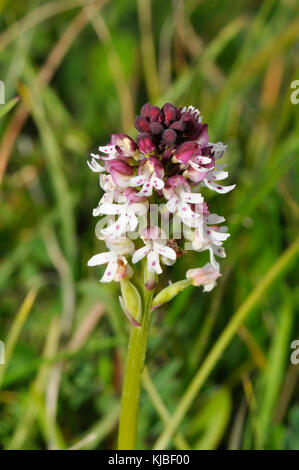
(170, 163)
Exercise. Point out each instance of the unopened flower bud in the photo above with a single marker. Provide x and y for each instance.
(146, 143)
(165, 295)
(156, 128)
(170, 112)
(141, 124)
(169, 137)
(205, 276)
(145, 110)
(155, 114)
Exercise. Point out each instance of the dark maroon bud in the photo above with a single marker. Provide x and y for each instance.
(146, 143)
(145, 110)
(155, 114)
(178, 125)
(169, 137)
(170, 112)
(156, 128)
(141, 124)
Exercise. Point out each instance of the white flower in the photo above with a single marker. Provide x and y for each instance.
(128, 212)
(153, 249)
(217, 174)
(180, 200)
(205, 276)
(94, 165)
(107, 183)
(117, 263)
(148, 178)
(218, 149)
(210, 237)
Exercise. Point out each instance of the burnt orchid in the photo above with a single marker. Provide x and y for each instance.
(153, 210)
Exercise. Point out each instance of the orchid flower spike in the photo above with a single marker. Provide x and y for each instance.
(169, 170)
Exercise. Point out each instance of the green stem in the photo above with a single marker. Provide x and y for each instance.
(132, 381)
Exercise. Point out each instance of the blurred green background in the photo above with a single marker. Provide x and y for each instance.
(81, 71)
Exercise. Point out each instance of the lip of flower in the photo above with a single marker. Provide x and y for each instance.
(210, 237)
(218, 149)
(205, 276)
(107, 183)
(153, 249)
(150, 175)
(217, 174)
(127, 221)
(180, 201)
(208, 175)
(114, 262)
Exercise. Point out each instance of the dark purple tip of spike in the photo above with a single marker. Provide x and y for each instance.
(169, 136)
(141, 124)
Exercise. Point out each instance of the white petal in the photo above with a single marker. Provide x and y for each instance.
(212, 258)
(94, 166)
(137, 181)
(217, 187)
(111, 209)
(153, 263)
(147, 189)
(141, 253)
(201, 160)
(215, 219)
(133, 221)
(192, 198)
(108, 149)
(110, 272)
(96, 211)
(139, 208)
(219, 251)
(209, 287)
(219, 175)
(118, 228)
(157, 182)
(190, 218)
(217, 237)
(167, 251)
(172, 204)
(101, 258)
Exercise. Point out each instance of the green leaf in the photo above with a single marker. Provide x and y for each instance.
(5, 108)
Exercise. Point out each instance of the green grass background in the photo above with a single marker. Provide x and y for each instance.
(81, 74)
